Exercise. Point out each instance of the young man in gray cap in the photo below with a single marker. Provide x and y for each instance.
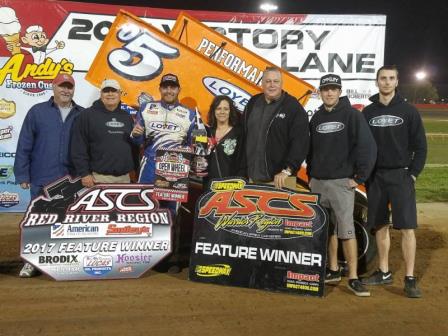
(101, 148)
(42, 154)
(342, 155)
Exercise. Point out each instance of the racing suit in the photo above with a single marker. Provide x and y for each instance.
(166, 125)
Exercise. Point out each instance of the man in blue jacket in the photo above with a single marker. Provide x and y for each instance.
(42, 154)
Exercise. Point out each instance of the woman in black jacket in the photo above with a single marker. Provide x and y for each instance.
(226, 139)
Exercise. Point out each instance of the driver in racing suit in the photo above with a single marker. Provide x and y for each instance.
(165, 123)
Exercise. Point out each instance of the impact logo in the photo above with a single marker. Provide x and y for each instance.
(259, 211)
(330, 127)
(214, 270)
(386, 121)
(218, 87)
(140, 57)
(8, 200)
(97, 264)
(5, 133)
(29, 68)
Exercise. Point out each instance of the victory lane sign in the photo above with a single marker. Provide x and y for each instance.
(110, 231)
(257, 236)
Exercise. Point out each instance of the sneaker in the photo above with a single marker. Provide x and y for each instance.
(174, 269)
(410, 287)
(28, 271)
(356, 286)
(332, 276)
(378, 278)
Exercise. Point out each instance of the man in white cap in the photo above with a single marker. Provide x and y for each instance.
(42, 154)
(101, 149)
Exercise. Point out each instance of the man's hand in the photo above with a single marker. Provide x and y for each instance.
(137, 130)
(88, 181)
(25, 185)
(280, 179)
(352, 183)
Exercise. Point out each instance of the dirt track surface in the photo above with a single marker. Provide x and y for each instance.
(164, 304)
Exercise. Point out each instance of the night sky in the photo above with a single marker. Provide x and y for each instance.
(416, 31)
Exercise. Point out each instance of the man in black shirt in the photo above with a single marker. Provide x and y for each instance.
(401, 140)
(276, 133)
(101, 146)
(342, 155)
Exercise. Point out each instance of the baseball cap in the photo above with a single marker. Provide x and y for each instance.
(330, 79)
(63, 78)
(169, 79)
(110, 83)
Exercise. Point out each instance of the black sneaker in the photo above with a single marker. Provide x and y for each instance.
(358, 288)
(410, 287)
(378, 278)
(332, 276)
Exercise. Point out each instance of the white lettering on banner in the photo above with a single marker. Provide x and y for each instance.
(245, 252)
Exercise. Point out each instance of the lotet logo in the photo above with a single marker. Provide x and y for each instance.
(386, 121)
(330, 127)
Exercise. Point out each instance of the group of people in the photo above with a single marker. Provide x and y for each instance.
(383, 147)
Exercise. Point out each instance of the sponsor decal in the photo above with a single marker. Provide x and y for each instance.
(126, 269)
(7, 110)
(7, 155)
(129, 230)
(180, 185)
(8, 199)
(59, 259)
(165, 127)
(125, 258)
(213, 270)
(5, 133)
(227, 185)
(302, 281)
(330, 127)
(6, 171)
(97, 264)
(217, 87)
(74, 231)
(386, 121)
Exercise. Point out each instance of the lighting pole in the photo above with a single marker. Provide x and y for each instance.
(420, 76)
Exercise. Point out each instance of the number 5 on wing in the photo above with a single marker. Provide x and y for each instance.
(140, 58)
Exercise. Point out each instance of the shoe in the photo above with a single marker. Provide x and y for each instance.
(410, 287)
(332, 276)
(174, 269)
(358, 288)
(28, 271)
(378, 278)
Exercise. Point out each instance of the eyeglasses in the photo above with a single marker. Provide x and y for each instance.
(109, 89)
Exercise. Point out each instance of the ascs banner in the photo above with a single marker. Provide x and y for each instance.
(257, 236)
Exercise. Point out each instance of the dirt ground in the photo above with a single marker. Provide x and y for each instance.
(164, 304)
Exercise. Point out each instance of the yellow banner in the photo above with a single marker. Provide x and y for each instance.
(137, 55)
(232, 56)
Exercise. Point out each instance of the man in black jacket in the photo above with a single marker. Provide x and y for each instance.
(101, 147)
(400, 136)
(276, 131)
(342, 155)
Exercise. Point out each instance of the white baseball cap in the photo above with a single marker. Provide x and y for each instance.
(110, 83)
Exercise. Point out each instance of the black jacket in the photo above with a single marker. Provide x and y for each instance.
(226, 157)
(341, 144)
(287, 138)
(399, 134)
(101, 141)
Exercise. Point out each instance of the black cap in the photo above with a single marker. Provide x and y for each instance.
(330, 79)
(169, 79)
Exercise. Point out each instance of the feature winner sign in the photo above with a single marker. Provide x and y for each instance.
(106, 232)
(257, 236)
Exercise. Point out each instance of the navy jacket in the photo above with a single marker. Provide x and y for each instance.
(42, 154)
